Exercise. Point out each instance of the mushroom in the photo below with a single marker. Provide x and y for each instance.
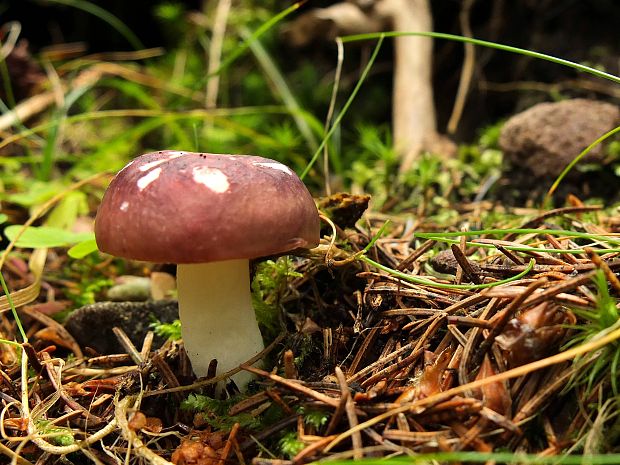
(209, 214)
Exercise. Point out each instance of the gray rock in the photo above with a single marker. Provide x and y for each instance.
(92, 325)
(544, 139)
(130, 288)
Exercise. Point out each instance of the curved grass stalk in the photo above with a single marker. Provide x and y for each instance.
(553, 232)
(428, 282)
(345, 107)
(484, 43)
(508, 48)
(486, 457)
(283, 90)
(446, 237)
(524, 248)
(255, 35)
(576, 160)
(120, 417)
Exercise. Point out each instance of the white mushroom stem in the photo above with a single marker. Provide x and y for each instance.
(217, 318)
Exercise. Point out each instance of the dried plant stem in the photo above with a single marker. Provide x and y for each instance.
(215, 51)
(120, 417)
(330, 113)
(356, 438)
(34, 436)
(598, 261)
(466, 72)
(15, 458)
(503, 319)
(294, 386)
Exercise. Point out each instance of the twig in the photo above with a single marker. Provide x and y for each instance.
(368, 341)
(293, 386)
(312, 448)
(356, 438)
(120, 417)
(330, 113)
(56, 380)
(147, 344)
(394, 367)
(513, 257)
(290, 371)
(413, 256)
(70, 341)
(382, 361)
(167, 374)
(337, 415)
(570, 258)
(129, 347)
(464, 265)
(229, 442)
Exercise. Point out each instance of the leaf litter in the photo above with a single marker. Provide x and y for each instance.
(396, 340)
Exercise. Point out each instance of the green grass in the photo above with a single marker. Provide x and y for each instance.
(600, 319)
(481, 457)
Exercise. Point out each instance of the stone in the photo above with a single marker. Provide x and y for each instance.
(445, 262)
(544, 139)
(130, 288)
(92, 325)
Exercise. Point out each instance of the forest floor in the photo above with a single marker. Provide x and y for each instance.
(454, 320)
(394, 338)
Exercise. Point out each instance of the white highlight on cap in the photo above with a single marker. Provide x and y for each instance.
(124, 206)
(153, 164)
(148, 178)
(126, 166)
(275, 166)
(211, 178)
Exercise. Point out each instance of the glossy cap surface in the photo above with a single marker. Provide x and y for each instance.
(184, 207)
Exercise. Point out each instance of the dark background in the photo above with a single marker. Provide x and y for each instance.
(582, 31)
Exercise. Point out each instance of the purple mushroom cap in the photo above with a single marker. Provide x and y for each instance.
(184, 207)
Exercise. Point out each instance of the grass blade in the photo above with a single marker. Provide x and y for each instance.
(346, 106)
(484, 43)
